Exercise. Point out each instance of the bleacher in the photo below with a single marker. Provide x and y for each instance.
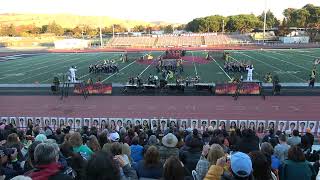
(132, 42)
(183, 40)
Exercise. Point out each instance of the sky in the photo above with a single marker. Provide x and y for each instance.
(177, 11)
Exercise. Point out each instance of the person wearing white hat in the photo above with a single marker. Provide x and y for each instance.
(168, 148)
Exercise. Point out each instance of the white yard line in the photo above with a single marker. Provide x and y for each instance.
(222, 69)
(272, 66)
(284, 61)
(195, 68)
(290, 55)
(119, 71)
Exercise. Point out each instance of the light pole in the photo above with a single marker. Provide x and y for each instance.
(265, 20)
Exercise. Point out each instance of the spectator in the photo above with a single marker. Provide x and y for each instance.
(175, 170)
(103, 165)
(191, 152)
(116, 149)
(241, 168)
(47, 166)
(79, 147)
(249, 142)
(267, 149)
(30, 162)
(21, 178)
(208, 159)
(114, 137)
(281, 150)
(10, 166)
(150, 167)
(74, 160)
(261, 166)
(59, 136)
(168, 147)
(127, 151)
(295, 139)
(310, 137)
(271, 138)
(93, 143)
(103, 137)
(153, 141)
(296, 167)
(129, 136)
(136, 150)
(41, 138)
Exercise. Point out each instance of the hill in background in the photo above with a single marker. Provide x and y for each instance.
(70, 20)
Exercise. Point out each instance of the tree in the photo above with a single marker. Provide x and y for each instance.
(138, 28)
(8, 30)
(271, 20)
(168, 29)
(243, 23)
(55, 29)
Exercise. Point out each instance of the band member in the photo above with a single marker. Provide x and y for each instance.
(250, 72)
(72, 72)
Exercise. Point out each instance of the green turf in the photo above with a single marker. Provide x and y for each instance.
(289, 65)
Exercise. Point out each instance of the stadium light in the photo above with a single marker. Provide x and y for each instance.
(265, 20)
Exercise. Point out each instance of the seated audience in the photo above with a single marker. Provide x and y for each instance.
(295, 139)
(281, 149)
(79, 147)
(168, 147)
(174, 170)
(136, 150)
(261, 166)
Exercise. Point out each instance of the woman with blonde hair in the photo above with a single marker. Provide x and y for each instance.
(93, 143)
(209, 156)
(79, 147)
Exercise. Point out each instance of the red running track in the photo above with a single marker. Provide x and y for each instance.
(207, 107)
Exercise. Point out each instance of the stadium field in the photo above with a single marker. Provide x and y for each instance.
(291, 65)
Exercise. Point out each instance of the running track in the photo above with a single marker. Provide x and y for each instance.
(198, 107)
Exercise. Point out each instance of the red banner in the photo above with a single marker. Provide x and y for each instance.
(245, 88)
(96, 88)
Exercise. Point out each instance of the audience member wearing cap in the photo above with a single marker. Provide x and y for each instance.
(114, 137)
(191, 152)
(10, 166)
(241, 167)
(296, 167)
(136, 150)
(79, 147)
(168, 148)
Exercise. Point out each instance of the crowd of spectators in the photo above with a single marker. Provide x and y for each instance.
(138, 152)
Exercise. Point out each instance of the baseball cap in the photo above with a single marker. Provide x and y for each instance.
(241, 164)
(114, 137)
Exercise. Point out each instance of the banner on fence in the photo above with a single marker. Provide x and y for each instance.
(96, 88)
(245, 88)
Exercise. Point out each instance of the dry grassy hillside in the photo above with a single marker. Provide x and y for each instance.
(66, 20)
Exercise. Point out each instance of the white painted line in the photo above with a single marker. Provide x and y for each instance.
(222, 69)
(272, 66)
(284, 61)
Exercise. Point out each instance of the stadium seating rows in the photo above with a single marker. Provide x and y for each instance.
(179, 40)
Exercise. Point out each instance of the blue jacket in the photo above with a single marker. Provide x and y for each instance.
(136, 153)
(154, 172)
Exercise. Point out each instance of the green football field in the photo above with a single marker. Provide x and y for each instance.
(289, 65)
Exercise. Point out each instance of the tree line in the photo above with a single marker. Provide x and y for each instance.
(306, 17)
